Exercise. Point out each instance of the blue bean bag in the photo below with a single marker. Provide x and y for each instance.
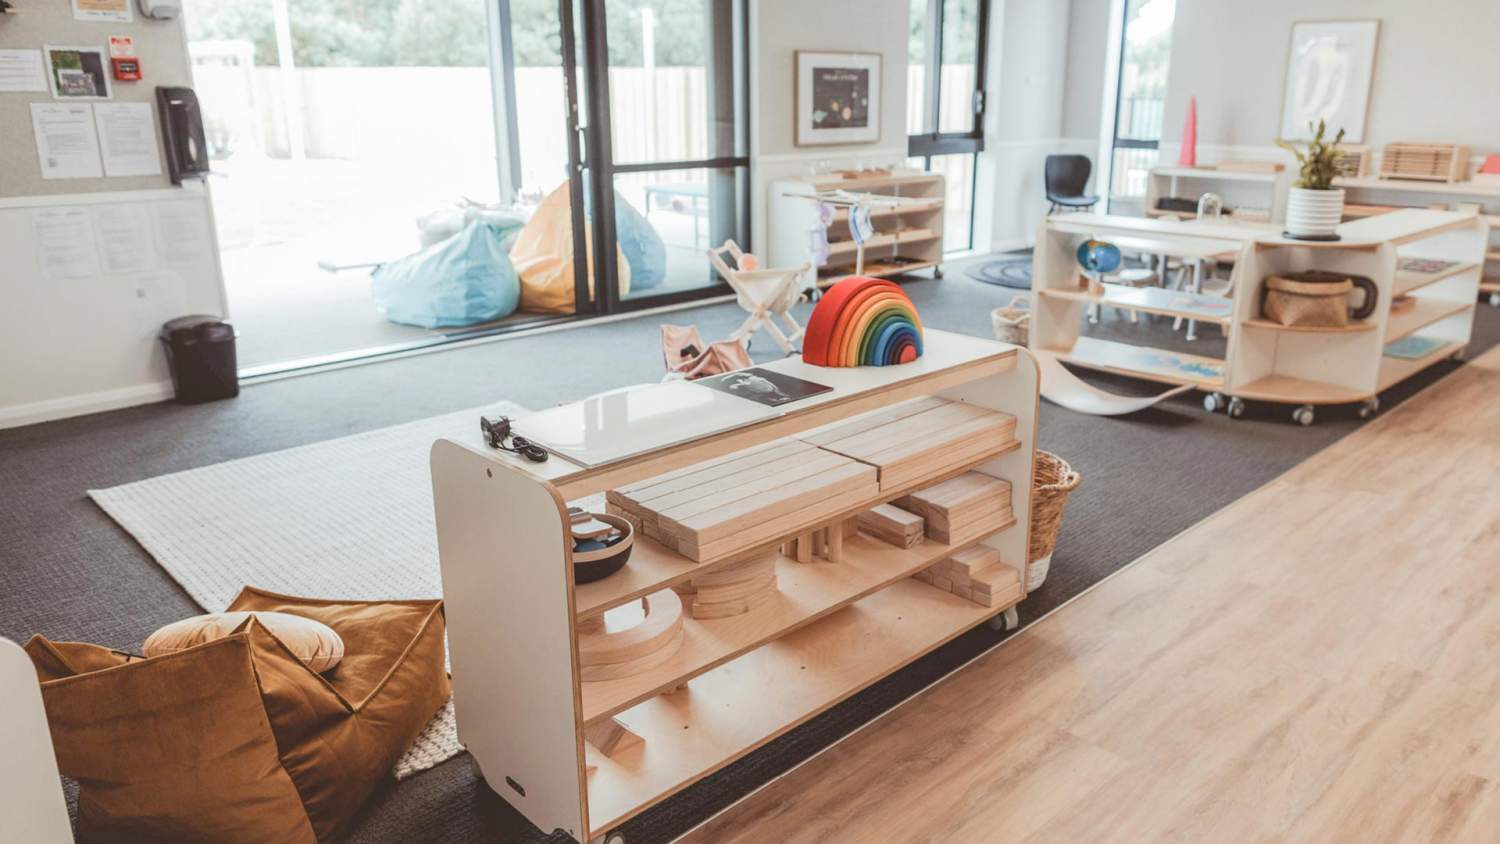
(464, 280)
(641, 245)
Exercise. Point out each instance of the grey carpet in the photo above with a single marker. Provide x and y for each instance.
(68, 571)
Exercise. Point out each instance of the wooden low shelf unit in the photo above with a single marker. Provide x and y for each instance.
(735, 682)
(1433, 257)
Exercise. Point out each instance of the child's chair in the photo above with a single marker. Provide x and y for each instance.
(764, 294)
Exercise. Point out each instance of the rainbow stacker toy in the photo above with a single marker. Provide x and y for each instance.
(863, 322)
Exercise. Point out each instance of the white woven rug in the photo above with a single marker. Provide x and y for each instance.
(346, 518)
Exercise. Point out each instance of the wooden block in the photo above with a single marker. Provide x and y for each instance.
(610, 737)
(851, 528)
(891, 524)
(725, 609)
(954, 506)
(735, 591)
(836, 541)
(736, 572)
(804, 548)
(919, 438)
(942, 583)
(820, 542)
(616, 670)
(662, 625)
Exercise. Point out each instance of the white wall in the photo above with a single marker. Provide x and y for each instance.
(87, 344)
(1024, 119)
(1435, 70)
(779, 28)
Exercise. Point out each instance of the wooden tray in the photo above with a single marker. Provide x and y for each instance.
(743, 499)
(917, 437)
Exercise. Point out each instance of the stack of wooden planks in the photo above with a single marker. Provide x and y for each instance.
(732, 590)
(975, 574)
(606, 655)
(961, 509)
(921, 437)
(714, 509)
(890, 523)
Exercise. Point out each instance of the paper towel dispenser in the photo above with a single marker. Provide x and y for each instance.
(182, 131)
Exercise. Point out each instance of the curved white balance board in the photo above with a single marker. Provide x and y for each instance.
(1063, 388)
(32, 807)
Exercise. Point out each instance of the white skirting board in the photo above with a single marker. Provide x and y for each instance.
(63, 408)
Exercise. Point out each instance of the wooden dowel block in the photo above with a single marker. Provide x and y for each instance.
(836, 541)
(611, 737)
(804, 548)
(820, 542)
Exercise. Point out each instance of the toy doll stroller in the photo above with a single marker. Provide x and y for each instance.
(764, 294)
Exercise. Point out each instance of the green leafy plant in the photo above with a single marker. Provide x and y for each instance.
(1318, 165)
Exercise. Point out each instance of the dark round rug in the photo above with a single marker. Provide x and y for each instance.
(1005, 272)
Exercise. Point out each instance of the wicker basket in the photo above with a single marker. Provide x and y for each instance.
(1012, 322)
(1052, 481)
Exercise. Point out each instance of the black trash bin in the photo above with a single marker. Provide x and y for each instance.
(200, 353)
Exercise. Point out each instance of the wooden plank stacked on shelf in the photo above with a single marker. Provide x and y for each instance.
(743, 499)
(1425, 162)
(959, 509)
(975, 574)
(918, 437)
(890, 523)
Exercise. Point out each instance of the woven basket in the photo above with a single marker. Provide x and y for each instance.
(1291, 302)
(1052, 481)
(1012, 322)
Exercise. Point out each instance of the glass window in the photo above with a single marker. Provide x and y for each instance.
(1145, 53)
(960, 43)
(666, 220)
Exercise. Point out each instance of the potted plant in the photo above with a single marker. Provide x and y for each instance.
(1315, 207)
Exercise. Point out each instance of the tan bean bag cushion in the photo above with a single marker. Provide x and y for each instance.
(310, 640)
(543, 257)
(237, 739)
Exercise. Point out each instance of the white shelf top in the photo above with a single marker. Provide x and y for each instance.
(1213, 173)
(625, 423)
(1473, 188)
(1396, 227)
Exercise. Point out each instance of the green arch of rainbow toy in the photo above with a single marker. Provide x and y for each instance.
(863, 322)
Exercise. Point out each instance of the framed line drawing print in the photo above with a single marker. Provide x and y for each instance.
(1328, 72)
(838, 98)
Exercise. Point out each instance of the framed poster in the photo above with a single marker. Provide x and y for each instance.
(838, 98)
(1328, 73)
(77, 73)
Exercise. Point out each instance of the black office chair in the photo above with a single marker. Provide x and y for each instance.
(1066, 178)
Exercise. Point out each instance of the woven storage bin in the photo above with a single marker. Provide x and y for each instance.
(1052, 481)
(1291, 302)
(1013, 322)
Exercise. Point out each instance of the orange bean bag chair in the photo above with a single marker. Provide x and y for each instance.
(236, 739)
(543, 257)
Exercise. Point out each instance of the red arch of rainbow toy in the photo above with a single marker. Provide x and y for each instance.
(863, 322)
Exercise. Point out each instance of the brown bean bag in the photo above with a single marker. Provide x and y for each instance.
(236, 739)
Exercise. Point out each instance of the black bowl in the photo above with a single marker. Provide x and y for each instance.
(589, 566)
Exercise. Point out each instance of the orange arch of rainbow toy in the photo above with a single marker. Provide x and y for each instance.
(863, 322)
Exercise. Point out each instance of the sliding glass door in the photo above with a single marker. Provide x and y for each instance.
(945, 112)
(667, 94)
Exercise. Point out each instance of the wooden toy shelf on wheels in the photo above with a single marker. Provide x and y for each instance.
(585, 756)
(1306, 366)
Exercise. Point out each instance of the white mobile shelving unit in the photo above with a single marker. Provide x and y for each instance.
(1303, 366)
(735, 683)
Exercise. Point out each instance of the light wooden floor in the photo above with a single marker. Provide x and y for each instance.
(1318, 662)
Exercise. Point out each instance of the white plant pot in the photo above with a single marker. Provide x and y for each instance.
(1314, 213)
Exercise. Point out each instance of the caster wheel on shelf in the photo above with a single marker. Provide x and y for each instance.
(615, 837)
(1008, 620)
(1369, 407)
(937, 272)
(1495, 300)
(1236, 407)
(1213, 402)
(1303, 415)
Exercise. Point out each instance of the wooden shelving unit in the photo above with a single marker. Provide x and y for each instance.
(1256, 196)
(829, 630)
(907, 239)
(1265, 361)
